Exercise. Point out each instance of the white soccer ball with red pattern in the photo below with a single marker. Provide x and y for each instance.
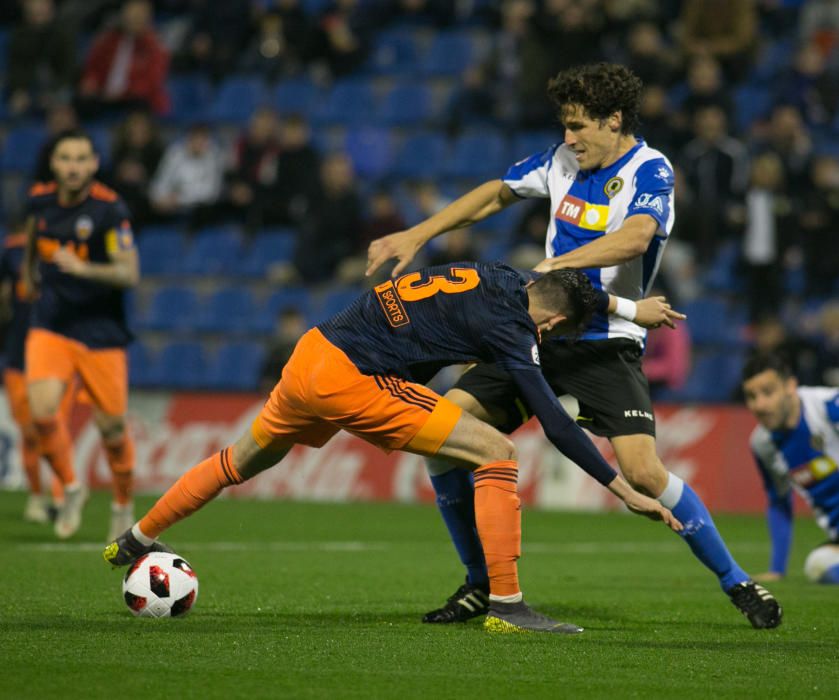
(160, 584)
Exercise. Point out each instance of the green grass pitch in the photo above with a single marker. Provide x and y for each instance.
(321, 600)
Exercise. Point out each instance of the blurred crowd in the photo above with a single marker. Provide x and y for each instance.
(741, 95)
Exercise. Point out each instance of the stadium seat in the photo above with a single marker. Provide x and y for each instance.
(21, 148)
(479, 156)
(181, 365)
(351, 103)
(526, 143)
(289, 297)
(713, 322)
(172, 309)
(407, 105)
(214, 251)
(371, 151)
(236, 366)
(450, 54)
(228, 310)
(714, 377)
(162, 250)
(190, 96)
(395, 52)
(140, 365)
(421, 156)
(236, 99)
(270, 246)
(296, 96)
(334, 302)
(751, 103)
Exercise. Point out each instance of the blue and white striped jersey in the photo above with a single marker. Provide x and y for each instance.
(804, 458)
(589, 204)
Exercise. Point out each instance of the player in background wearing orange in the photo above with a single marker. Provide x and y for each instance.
(364, 371)
(80, 259)
(14, 299)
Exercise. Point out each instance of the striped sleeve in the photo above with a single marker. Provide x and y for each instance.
(529, 177)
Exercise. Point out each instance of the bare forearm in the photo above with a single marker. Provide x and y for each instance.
(606, 251)
(485, 200)
(121, 275)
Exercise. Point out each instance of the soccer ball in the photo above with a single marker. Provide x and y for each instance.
(822, 564)
(160, 584)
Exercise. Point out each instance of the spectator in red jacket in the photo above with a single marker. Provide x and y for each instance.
(126, 66)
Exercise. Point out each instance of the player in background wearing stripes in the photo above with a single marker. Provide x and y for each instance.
(796, 447)
(611, 198)
(363, 371)
(80, 259)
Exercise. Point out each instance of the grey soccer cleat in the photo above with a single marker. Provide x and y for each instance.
(514, 618)
(126, 548)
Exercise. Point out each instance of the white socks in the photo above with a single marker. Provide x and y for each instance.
(672, 493)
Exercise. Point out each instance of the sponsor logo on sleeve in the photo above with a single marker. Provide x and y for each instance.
(649, 201)
(391, 304)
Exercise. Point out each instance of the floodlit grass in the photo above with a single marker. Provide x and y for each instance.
(322, 600)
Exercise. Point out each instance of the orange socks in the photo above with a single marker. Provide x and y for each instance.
(120, 455)
(31, 458)
(200, 484)
(498, 517)
(55, 446)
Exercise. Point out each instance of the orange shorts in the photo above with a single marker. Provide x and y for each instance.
(322, 392)
(103, 373)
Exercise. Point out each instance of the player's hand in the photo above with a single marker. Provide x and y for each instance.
(768, 577)
(653, 312)
(545, 266)
(644, 505)
(402, 245)
(68, 262)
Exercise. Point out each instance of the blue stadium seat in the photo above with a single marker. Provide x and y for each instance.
(713, 322)
(750, 104)
(526, 143)
(4, 50)
(162, 250)
(236, 366)
(140, 365)
(190, 96)
(296, 96)
(236, 99)
(714, 377)
(269, 247)
(181, 365)
(290, 297)
(502, 224)
(214, 251)
(352, 103)
(774, 58)
(334, 302)
(479, 155)
(172, 309)
(421, 156)
(407, 105)
(228, 310)
(21, 148)
(371, 151)
(395, 52)
(450, 54)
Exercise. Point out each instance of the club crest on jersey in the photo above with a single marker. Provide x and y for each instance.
(534, 353)
(613, 186)
(580, 213)
(84, 227)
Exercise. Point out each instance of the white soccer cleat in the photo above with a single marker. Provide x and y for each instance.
(37, 509)
(69, 517)
(122, 518)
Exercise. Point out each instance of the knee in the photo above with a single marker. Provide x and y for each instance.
(645, 475)
(112, 428)
(503, 450)
(43, 408)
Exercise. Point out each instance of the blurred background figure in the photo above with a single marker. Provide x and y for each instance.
(290, 325)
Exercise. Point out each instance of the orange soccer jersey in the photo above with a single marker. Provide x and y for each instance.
(322, 391)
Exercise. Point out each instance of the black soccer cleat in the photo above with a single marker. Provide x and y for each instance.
(757, 604)
(467, 602)
(126, 548)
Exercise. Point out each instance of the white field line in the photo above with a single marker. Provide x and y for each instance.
(596, 548)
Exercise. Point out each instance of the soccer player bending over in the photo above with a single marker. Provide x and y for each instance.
(363, 371)
(796, 447)
(611, 199)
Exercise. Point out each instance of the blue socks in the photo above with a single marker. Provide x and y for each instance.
(700, 532)
(831, 575)
(456, 501)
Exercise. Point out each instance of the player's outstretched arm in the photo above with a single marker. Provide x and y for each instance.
(643, 505)
(474, 206)
(651, 312)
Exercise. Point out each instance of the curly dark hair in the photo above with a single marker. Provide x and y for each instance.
(601, 89)
(569, 292)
